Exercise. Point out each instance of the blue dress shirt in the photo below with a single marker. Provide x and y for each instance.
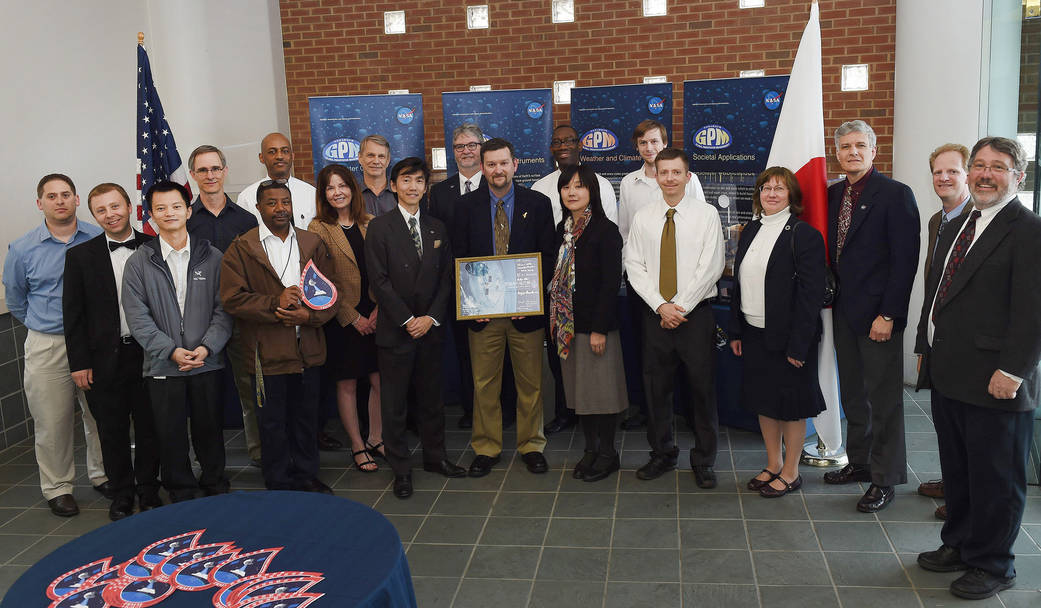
(507, 204)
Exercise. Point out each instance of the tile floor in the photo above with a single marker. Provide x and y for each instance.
(516, 539)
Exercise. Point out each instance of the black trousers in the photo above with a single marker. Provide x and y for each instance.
(632, 333)
(114, 402)
(871, 385)
(983, 455)
(664, 350)
(466, 376)
(415, 364)
(175, 400)
(288, 421)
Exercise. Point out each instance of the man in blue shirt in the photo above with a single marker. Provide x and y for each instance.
(33, 280)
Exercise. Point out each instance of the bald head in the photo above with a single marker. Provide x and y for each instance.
(276, 153)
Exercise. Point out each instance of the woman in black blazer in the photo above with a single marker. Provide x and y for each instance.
(583, 320)
(775, 325)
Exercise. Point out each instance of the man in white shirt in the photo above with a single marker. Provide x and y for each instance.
(276, 153)
(566, 150)
(677, 284)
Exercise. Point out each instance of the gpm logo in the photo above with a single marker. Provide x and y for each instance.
(599, 140)
(340, 150)
(712, 137)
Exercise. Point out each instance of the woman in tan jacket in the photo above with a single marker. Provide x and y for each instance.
(340, 220)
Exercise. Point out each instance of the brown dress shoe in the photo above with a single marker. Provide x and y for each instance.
(941, 512)
(932, 488)
(64, 506)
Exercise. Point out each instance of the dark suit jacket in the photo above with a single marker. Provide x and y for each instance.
(598, 273)
(991, 317)
(934, 227)
(404, 285)
(531, 231)
(794, 288)
(880, 257)
(90, 304)
(444, 200)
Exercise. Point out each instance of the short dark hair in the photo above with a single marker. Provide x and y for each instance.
(408, 166)
(273, 184)
(323, 210)
(50, 177)
(588, 178)
(167, 186)
(565, 126)
(497, 143)
(649, 125)
(105, 188)
(789, 180)
(672, 154)
(1003, 145)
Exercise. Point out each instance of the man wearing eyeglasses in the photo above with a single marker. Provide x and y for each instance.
(873, 241)
(980, 341)
(276, 154)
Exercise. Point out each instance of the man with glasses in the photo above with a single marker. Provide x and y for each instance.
(873, 241)
(980, 341)
(276, 154)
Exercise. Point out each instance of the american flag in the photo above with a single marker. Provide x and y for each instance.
(157, 157)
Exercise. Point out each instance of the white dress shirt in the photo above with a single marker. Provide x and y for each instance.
(475, 182)
(548, 186)
(284, 257)
(752, 275)
(699, 252)
(637, 191)
(178, 263)
(302, 193)
(405, 215)
(119, 259)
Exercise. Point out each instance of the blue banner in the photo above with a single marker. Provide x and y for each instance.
(524, 117)
(338, 124)
(605, 118)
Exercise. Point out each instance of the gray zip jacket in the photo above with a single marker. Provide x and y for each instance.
(154, 318)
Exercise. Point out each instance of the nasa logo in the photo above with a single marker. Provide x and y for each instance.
(599, 140)
(535, 109)
(712, 137)
(656, 105)
(341, 150)
(772, 100)
(406, 115)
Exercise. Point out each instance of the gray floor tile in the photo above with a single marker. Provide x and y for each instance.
(726, 482)
(922, 578)
(789, 507)
(39, 550)
(910, 507)
(913, 537)
(490, 482)
(520, 480)
(22, 497)
(628, 595)
(464, 503)
(1015, 598)
(793, 596)
(834, 507)
(628, 482)
(503, 563)
(645, 534)
(716, 566)
(417, 504)
(852, 536)
(406, 525)
(647, 505)
(434, 592)
(576, 532)
(942, 598)
(438, 560)
(711, 506)
(713, 534)
(780, 567)
(499, 593)
(1032, 510)
(13, 544)
(570, 594)
(782, 536)
(514, 531)
(854, 597)
(524, 504)
(573, 564)
(584, 505)
(450, 529)
(33, 521)
(645, 565)
(720, 596)
(867, 570)
(87, 521)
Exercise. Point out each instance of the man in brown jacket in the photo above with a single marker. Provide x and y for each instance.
(259, 286)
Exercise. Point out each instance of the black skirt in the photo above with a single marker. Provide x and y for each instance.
(774, 388)
(348, 354)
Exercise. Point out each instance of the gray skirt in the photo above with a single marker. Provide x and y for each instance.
(595, 384)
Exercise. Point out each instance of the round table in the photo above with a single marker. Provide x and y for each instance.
(257, 549)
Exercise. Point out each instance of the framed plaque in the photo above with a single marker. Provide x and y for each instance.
(498, 286)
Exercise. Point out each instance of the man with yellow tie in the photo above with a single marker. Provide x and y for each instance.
(677, 284)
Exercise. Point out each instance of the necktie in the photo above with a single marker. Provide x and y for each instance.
(469, 186)
(845, 215)
(667, 271)
(961, 247)
(502, 230)
(414, 233)
(131, 245)
(939, 231)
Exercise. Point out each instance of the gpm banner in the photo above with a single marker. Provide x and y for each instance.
(524, 117)
(338, 124)
(605, 118)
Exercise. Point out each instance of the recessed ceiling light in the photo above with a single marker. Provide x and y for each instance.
(563, 11)
(655, 8)
(855, 77)
(394, 22)
(477, 17)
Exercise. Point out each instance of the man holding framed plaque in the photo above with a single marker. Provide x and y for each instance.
(501, 219)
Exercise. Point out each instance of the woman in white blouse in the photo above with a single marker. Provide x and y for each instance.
(775, 325)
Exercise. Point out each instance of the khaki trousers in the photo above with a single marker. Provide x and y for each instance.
(487, 350)
(53, 398)
(247, 394)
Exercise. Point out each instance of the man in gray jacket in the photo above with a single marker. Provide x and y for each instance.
(172, 306)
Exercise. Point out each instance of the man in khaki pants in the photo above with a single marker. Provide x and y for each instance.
(33, 281)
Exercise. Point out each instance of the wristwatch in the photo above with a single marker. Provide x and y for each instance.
(887, 319)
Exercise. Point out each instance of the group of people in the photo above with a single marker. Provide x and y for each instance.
(152, 329)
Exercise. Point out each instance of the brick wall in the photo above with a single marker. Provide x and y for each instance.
(337, 47)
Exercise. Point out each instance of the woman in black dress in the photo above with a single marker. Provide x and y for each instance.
(341, 220)
(775, 325)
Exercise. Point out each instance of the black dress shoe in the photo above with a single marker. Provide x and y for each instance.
(403, 485)
(482, 465)
(121, 507)
(876, 498)
(979, 584)
(602, 468)
(944, 559)
(106, 490)
(705, 477)
(656, 467)
(445, 468)
(314, 485)
(848, 474)
(328, 443)
(466, 421)
(149, 501)
(634, 422)
(535, 462)
(560, 423)
(582, 466)
(64, 506)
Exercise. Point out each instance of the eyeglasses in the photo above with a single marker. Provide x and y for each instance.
(995, 169)
(567, 141)
(769, 189)
(208, 170)
(267, 183)
(470, 146)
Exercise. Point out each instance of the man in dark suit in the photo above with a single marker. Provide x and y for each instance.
(105, 360)
(980, 341)
(506, 218)
(948, 164)
(409, 259)
(873, 240)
